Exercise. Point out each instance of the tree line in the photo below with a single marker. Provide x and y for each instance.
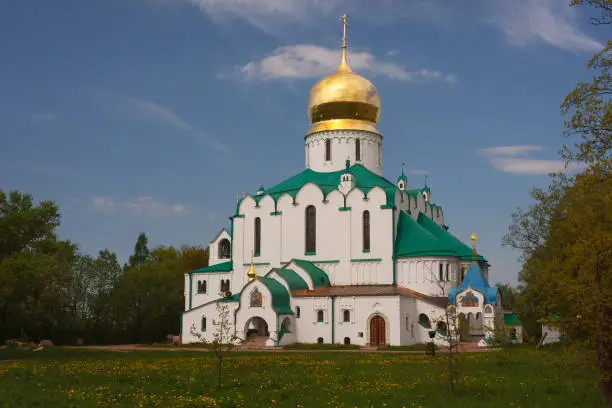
(565, 236)
(50, 290)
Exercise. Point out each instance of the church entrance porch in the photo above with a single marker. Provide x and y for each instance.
(256, 327)
(377, 331)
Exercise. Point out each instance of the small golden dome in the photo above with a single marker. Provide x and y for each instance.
(343, 100)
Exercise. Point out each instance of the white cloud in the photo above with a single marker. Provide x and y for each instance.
(146, 206)
(103, 203)
(42, 117)
(506, 159)
(511, 150)
(549, 21)
(312, 61)
(155, 112)
(150, 206)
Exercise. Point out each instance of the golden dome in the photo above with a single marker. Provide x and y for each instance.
(343, 100)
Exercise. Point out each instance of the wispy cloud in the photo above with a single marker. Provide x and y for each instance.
(549, 21)
(507, 159)
(312, 61)
(145, 206)
(155, 112)
(511, 150)
(42, 117)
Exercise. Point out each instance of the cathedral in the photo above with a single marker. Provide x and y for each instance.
(338, 253)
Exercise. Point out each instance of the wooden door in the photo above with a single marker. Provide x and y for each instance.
(377, 331)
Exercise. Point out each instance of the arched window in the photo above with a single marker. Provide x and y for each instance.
(358, 149)
(320, 316)
(347, 316)
(407, 322)
(441, 327)
(203, 323)
(311, 229)
(447, 272)
(327, 150)
(347, 340)
(441, 273)
(225, 285)
(424, 320)
(224, 249)
(257, 245)
(320, 340)
(366, 230)
(297, 312)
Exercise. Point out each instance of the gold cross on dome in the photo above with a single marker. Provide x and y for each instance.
(345, 25)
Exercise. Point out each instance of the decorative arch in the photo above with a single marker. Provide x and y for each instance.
(488, 309)
(469, 300)
(377, 330)
(286, 324)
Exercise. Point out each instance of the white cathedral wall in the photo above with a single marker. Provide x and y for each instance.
(193, 318)
(213, 287)
(422, 274)
(343, 148)
(362, 310)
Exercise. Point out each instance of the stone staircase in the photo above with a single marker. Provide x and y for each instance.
(254, 343)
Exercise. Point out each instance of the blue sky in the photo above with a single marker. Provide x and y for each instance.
(152, 115)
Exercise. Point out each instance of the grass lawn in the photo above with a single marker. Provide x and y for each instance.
(517, 377)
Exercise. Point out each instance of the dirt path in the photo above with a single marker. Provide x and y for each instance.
(135, 347)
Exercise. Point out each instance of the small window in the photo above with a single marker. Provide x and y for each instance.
(297, 312)
(319, 316)
(201, 286)
(311, 229)
(347, 340)
(441, 273)
(447, 272)
(407, 322)
(327, 150)
(357, 149)
(203, 323)
(347, 316)
(320, 340)
(412, 330)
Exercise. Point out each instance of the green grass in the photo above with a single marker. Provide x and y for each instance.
(517, 377)
(412, 347)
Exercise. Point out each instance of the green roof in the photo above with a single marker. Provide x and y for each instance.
(280, 296)
(449, 241)
(318, 276)
(220, 267)
(413, 240)
(365, 180)
(294, 281)
(234, 298)
(510, 319)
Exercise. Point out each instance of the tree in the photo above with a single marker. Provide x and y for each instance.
(223, 340)
(589, 104)
(571, 274)
(141, 252)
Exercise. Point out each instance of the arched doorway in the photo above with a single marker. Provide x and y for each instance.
(256, 327)
(377, 331)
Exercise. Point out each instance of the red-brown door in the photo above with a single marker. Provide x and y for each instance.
(377, 331)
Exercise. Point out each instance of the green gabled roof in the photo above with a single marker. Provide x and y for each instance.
(294, 281)
(318, 276)
(220, 267)
(463, 251)
(414, 193)
(280, 296)
(510, 319)
(413, 240)
(365, 180)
